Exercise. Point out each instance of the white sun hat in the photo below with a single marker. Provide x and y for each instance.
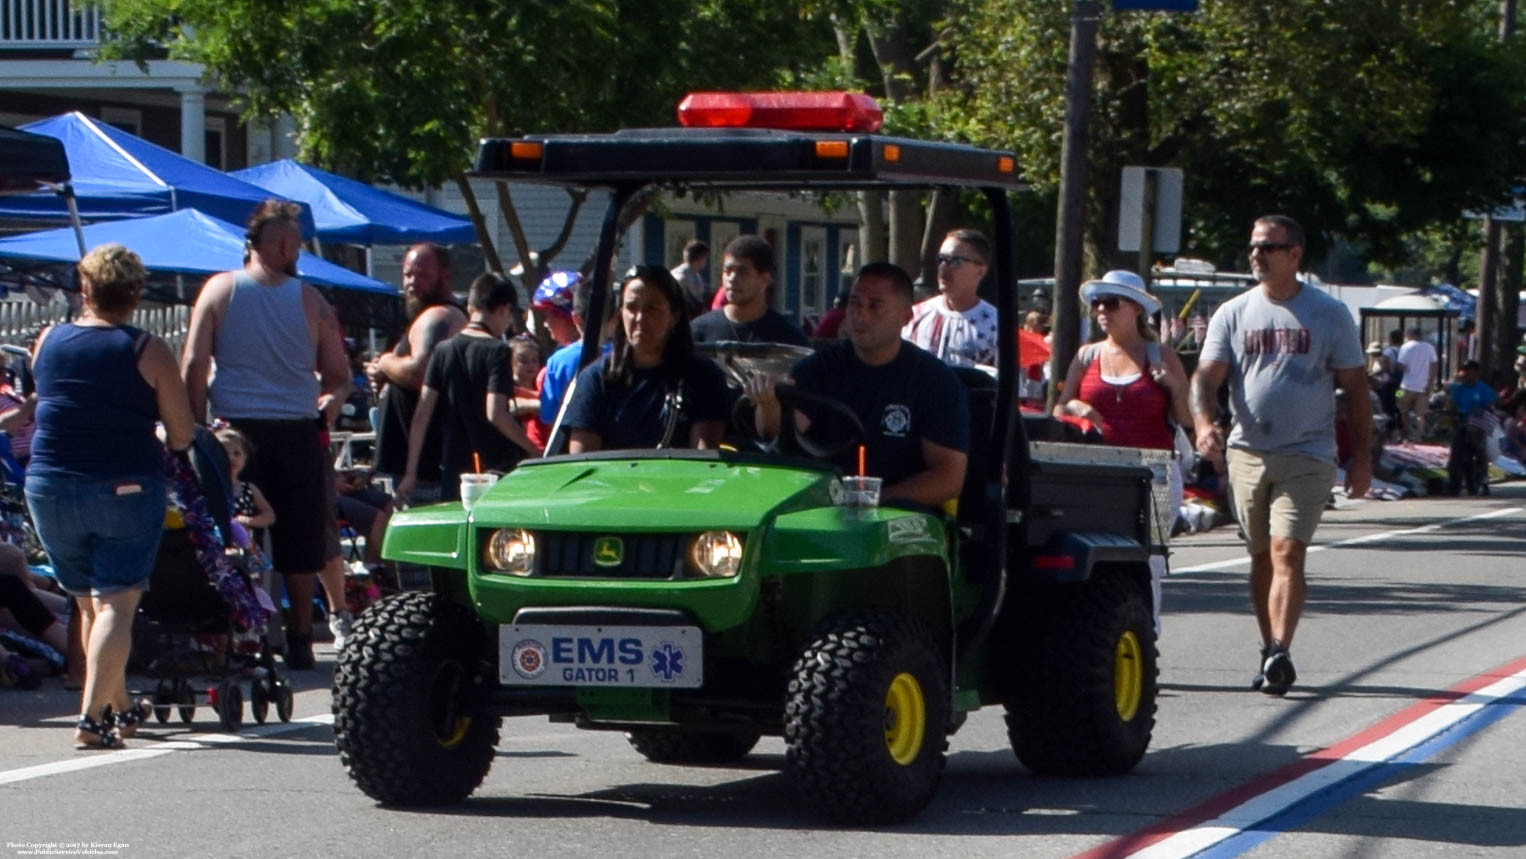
(1124, 284)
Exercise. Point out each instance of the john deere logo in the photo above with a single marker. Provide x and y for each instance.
(608, 552)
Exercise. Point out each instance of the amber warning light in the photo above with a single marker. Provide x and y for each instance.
(795, 111)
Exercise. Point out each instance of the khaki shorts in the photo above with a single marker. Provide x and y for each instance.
(1413, 401)
(1278, 495)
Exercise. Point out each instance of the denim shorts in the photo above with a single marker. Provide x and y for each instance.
(101, 536)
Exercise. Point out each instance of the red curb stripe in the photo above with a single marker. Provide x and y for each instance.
(1233, 797)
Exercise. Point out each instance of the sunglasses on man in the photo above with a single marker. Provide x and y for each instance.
(955, 261)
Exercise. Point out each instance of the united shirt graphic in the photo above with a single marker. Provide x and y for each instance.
(1277, 341)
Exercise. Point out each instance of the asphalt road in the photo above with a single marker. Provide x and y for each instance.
(1403, 737)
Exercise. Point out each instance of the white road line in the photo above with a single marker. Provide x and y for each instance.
(190, 742)
(91, 760)
(1267, 805)
(1356, 541)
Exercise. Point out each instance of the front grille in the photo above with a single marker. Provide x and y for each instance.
(643, 556)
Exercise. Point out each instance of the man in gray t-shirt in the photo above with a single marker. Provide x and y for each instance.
(1284, 348)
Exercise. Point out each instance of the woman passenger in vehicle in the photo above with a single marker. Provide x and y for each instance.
(650, 378)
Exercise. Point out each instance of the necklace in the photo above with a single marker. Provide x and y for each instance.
(1118, 389)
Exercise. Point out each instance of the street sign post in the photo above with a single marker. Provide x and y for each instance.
(1163, 218)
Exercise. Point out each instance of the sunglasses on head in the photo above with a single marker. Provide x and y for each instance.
(1106, 302)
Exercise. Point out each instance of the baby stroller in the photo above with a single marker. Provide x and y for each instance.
(200, 629)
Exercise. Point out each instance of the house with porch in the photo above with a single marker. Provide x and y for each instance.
(48, 67)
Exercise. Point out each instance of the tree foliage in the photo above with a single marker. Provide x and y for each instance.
(1365, 119)
(400, 91)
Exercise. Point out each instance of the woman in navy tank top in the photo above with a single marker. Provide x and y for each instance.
(95, 484)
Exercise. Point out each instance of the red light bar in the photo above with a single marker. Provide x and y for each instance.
(796, 111)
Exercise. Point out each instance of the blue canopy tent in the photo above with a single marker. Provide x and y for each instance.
(1453, 298)
(356, 213)
(27, 160)
(117, 175)
(183, 242)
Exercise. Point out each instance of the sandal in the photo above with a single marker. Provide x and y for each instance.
(127, 721)
(105, 736)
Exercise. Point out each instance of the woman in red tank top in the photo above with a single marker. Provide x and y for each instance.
(1113, 383)
(1128, 384)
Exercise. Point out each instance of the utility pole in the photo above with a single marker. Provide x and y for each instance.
(1488, 281)
(1066, 325)
(1489, 286)
(1507, 285)
(1147, 230)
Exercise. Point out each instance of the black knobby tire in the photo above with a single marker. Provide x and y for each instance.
(1070, 711)
(677, 746)
(838, 724)
(404, 696)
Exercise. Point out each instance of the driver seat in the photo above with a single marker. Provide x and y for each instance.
(980, 389)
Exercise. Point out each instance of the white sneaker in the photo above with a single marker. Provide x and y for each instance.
(339, 625)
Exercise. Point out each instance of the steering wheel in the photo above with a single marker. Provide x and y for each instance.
(740, 361)
(790, 399)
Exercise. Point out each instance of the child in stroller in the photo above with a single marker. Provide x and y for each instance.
(203, 617)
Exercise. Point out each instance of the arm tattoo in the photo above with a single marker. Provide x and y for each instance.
(1204, 398)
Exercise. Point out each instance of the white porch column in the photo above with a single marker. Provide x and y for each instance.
(193, 124)
(284, 137)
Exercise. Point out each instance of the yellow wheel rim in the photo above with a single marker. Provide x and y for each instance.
(457, 733)
(450, 727)
(1128, 675)
(905, 719)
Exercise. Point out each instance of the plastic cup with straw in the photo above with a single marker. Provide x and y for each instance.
(476, 484)
(861, 490)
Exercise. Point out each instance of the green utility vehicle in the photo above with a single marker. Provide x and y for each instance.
(698, 600)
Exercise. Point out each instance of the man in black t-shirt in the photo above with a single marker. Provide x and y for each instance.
(747, 268)
(913, 408)
(470, 380)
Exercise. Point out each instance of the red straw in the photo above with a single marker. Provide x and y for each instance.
(477, 462)
(861, 471)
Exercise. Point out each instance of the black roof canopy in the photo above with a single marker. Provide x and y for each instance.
(27, 159)
(744, 158)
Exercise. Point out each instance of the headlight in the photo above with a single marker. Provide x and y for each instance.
(511, 550)
(717, 554)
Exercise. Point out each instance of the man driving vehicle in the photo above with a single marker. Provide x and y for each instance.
(914, 410)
